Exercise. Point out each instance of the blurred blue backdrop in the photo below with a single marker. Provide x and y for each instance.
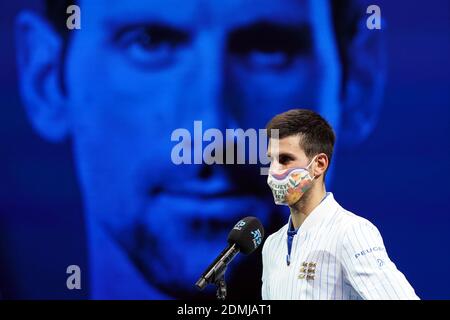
(396, 175)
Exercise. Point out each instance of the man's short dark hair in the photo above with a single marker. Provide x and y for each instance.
(316, 134)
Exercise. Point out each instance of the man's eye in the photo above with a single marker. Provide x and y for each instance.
(284, 160)
(153, 46)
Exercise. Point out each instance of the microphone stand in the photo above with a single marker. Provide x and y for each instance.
(221, 293)
(219, 281)
(216, 272)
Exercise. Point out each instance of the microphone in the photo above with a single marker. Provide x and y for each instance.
(246, 236)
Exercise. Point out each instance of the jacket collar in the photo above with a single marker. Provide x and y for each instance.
(321, 212)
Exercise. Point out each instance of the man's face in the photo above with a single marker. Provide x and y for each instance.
(137, 70)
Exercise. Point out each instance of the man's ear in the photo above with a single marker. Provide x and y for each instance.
(322, 163)
(39, 61)
(363, 86)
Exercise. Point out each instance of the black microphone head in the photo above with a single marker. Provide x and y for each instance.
(247, 234)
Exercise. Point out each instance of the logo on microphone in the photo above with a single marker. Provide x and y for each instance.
(257, 238)
(239, 225)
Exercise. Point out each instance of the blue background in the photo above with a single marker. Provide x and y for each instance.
(398, 178)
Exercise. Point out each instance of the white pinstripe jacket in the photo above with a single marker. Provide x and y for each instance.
(335, 255)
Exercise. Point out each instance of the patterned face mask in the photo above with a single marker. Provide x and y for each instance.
(290, 185)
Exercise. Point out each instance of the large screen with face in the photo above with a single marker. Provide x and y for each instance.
(135, 136)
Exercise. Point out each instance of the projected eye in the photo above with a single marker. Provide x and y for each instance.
(270, 46)
(152, 45)
(267, 60)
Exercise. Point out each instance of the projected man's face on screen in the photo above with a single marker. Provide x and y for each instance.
(136, 71)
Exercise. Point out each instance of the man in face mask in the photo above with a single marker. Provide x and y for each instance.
(324, 251)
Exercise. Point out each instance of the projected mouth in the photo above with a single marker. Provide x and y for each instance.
(198, 191)
(205, 213)
(210, 227)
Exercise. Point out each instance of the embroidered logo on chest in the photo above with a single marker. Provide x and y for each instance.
(307, 271)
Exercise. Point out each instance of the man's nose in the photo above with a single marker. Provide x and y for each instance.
(207, 83)
(275, 166)
(208, 100)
